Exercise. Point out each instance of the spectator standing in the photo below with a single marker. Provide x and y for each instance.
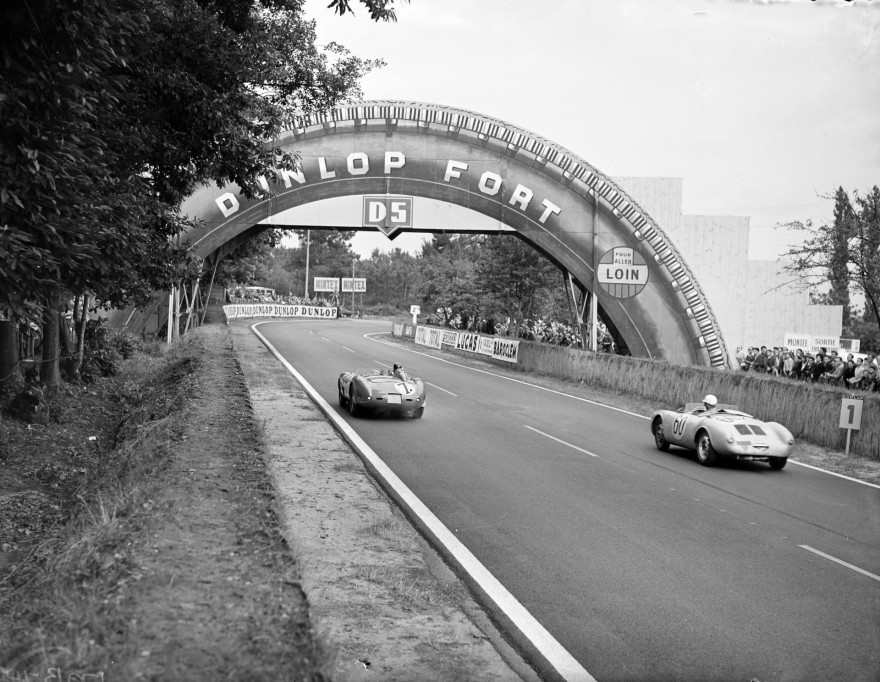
(760, 364)
(798, 364)
(788, 364)
(741, 358)
(849, 371)
(818, 368)
(750, 358)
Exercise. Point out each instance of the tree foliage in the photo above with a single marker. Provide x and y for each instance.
(111, 112)
(513, 274)
(845, 253)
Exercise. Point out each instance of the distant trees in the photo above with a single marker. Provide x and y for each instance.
(846, 254)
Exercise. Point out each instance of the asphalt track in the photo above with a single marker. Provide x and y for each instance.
(643, 565)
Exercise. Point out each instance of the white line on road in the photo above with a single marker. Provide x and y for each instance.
(558, 440)
(840, 561)
(454, 395)
(565, 664)
(348, 349)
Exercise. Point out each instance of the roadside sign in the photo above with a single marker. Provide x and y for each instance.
(388, 213)
(354, 284)
(622, 272)
(850, 416)
(414, 311)
(851, 413)
(326, 284)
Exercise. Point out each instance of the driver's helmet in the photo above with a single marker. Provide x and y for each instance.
(710, 401)
(400, 372)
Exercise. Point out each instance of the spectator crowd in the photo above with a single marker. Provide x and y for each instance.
(823, 367)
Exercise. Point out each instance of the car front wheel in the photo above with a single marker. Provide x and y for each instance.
(705, 452)
(343, 401)
(659, 439)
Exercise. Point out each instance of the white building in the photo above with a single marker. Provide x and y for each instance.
(753, 301)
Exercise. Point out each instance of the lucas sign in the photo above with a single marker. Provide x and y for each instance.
(623, 272)
(388, 213)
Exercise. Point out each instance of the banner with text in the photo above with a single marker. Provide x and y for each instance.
(496, 347)
(240, 310)
(429, 336)
(811, 344)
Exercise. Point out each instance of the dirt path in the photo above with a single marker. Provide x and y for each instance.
(217, 595)
(378, 595)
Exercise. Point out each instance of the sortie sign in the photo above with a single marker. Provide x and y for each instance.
(623, 272)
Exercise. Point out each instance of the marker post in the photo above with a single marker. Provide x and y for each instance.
(850, 416)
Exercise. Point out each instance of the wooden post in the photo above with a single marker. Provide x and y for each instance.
(170, 315)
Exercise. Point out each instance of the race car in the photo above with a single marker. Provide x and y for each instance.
(382, 391)
(717, 431)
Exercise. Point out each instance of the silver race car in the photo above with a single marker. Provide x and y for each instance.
(716, 431)
(381, 391)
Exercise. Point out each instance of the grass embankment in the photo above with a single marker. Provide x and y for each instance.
(136, 578)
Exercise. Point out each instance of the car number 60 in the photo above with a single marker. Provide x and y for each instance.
(678, 426)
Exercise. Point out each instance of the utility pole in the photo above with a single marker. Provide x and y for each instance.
(352, 287)
(308, 241)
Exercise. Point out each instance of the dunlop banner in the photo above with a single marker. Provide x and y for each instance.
(240, 310)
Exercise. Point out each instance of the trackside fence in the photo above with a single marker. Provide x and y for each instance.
(810, 411)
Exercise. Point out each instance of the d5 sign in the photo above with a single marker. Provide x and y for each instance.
(388, 213)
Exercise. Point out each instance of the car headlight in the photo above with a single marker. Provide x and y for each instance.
(791, 441)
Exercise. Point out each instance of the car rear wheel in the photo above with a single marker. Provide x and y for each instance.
(418, 413)
(343, 401)
(659, 439)
(353, 408)
(777, 463)
(705, 452)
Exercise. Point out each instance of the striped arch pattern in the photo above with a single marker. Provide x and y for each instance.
(573, 168)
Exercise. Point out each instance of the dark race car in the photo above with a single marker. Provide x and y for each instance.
(381, 391)
(722, 431)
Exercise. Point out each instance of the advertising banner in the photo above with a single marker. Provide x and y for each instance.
(450, 337)
(486, 345)
(326, 284)
(240, 310)
(409, 330)
(429, 336)
(505, 349)
(813, 344)
(467, 341)
(357, 285)
(397, 329)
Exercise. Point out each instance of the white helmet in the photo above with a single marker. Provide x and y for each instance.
(710, 401)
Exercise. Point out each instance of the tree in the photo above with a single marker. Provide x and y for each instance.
(111, 113)
(845, 252)
(514, 274)
(448, 285)
(838, 266)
